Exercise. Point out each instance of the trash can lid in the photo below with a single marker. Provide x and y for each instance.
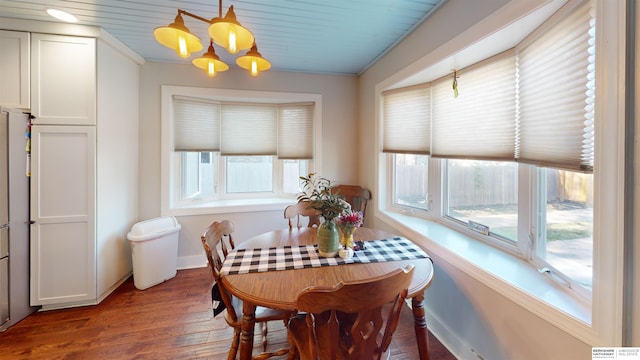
(153, 228)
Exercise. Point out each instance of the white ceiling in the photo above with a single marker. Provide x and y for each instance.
(315, 36)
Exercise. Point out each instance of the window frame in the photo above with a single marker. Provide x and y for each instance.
(516, 247)
(224, 203)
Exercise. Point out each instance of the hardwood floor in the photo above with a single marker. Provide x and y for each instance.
(172, 320)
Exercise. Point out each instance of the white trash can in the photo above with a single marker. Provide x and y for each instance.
(154, 251)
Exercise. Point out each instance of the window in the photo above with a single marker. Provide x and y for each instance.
(291, 172)
(484, 196)
(224, 145)
(410, 180)
(197, 175)
(407, 135)
(573, 277)
(241, 177)
(564, 240)
(516, 146)
(249, 174)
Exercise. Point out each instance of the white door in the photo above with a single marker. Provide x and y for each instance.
(63, 79)
(63, 214)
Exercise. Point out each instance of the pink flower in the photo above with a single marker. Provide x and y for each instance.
(350, 219)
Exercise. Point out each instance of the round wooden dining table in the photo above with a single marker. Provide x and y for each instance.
(279, 289)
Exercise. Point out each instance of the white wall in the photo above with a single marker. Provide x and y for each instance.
(339, 134)
(117, 164)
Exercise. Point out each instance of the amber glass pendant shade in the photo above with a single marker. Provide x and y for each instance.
(228, 33)
(253, 61)
(210, 62)
(177, 36)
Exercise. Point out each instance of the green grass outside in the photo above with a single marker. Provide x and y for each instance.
(558, 231)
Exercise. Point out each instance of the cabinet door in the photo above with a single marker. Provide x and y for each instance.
(14, 69)
(63, 215)
(63, 79)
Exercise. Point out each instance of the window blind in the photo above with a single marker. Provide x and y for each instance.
(285, 130)
(295, 131)
(556, 95)
(196, 125)
(407, 120)
(248, 129)
(480, 122)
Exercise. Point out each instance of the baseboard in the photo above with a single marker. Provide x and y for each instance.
(97, 301)
(447, 338)
(450, 340)
(115, 286)
(191, 262)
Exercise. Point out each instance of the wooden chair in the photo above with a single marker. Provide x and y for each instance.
(299, 210)
(217, 242)
(352, 320)
(355, 195)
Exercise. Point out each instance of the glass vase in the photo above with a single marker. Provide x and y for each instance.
(347, 236)
(328, 239)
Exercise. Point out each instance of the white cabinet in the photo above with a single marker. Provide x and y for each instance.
(63, 213)
(14, 69)
(81, 85)
(63, 168)
(63, 79)
(84, 166)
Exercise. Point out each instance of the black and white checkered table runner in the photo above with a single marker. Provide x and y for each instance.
(245, 261)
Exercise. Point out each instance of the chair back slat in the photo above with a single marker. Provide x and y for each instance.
(217, 241)
(356, 318)
(355, 195)
(301, 210)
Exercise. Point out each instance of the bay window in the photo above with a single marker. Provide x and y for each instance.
(513, 140)
(239, 146)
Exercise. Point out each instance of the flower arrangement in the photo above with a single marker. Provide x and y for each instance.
(317, 190)
(349, 221)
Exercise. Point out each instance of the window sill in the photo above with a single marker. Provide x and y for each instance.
(231, 206)
(509, 276)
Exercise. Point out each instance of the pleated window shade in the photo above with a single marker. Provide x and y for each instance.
(295, 131)
(407, 120)
(249, 130)
(480, 122)
(533, 104)
(556, 95)
(239, 129)
(196, 124)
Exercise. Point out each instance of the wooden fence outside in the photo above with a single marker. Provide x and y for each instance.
(492, 186)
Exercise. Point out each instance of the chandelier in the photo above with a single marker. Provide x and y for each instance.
(226, 32)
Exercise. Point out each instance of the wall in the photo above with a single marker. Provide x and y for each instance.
(339, 134)
(471, 319)
(117, 164)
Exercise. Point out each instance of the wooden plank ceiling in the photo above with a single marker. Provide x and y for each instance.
(315, 36)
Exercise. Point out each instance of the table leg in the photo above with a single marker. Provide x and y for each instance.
(246, 336)
(422, 334)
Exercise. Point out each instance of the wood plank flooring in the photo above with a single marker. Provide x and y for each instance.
(172, 320)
